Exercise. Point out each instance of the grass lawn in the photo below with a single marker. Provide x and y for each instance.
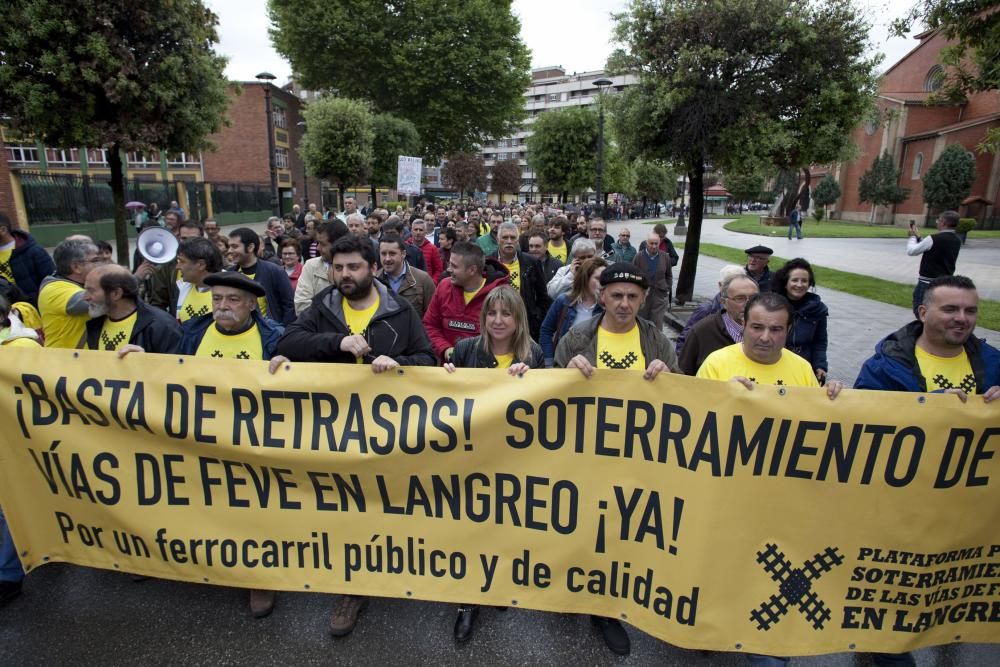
(876, 289)
(836, 229)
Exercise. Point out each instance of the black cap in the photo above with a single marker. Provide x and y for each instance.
(623, 272)
(237, 280)
(759, 250)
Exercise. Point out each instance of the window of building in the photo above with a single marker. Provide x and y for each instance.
(918, 162)
(97, 156)
(62, 156)
(934, 79)
(503, 156)
(22, 153)
(503, 143)
(278, 115)
(554, 97)
(870, 127)
(141, 159)
(281, 158)
(183, 160)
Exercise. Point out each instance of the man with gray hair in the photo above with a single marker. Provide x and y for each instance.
(526, 276)
(120, 318)
(60, 300)
(710, 307)
(721, 329)
(562, 282)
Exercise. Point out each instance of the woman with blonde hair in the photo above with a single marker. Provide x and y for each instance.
(504, 343)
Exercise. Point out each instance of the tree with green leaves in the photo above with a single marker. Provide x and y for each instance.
(653, 180)
(827, 192)
(394, 136)
(464, 59)
(740, 83)
(745, 186)
(339, 143)
(125, 76)
(879, 186)
(465, 172)
(950, 178)
(506, 178)
(562, 150)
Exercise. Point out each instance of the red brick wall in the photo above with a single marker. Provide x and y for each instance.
(910, 74)
(922, 119)
(294, 115)
(241, 155)
(915, 204)
(6, 189)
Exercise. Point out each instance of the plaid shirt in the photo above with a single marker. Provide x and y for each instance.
(734, 330)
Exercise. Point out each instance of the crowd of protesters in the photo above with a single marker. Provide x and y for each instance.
(514, 288)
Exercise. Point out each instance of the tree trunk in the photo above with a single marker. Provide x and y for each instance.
(872, 221)
(692, 244)
(118, 197)
(372, 204)
(343, 195)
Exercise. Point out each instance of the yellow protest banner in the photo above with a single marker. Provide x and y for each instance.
(713, 517)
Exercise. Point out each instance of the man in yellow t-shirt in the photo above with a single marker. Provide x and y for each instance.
(617, 340)
(197, 259)
(119, 318)
(357, 320)
(938, 352)
(61, 304)
(761, 357)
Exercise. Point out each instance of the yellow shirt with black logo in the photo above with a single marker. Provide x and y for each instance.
(116, 333)
(790, 370)
(61, 329)
(357, 320)
(559, 251)
(221, 345)
(261, 300)
(946, 372)
(469, 296)
(6, 271)
(504, 360)
(515, 274)
(196, 303)
(620, 350)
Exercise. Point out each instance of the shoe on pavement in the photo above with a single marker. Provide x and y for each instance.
(465, 622)
(614, 634)
(8, 591)
(262, 603)
(345, 614)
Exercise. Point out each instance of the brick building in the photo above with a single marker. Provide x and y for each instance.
(915, 133)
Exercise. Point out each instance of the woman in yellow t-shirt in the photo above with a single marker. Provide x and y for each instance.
(505, 343)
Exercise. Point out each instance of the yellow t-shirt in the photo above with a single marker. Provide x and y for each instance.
(559, 251)
(357, 320)
(469, 296)
(196, 303)
(515, 274)
(61, 329)
(20, 342)
(946, 372)
(791, 370)
(504, 360)
(6, 271)
(221, 345)
(261, 300)
(114, 333)
(623, 350)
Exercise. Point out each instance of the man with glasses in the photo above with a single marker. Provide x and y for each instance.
(597, 231)
(757, 259)
(61, 300)
(721, 329)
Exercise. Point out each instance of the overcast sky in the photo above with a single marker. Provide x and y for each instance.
(571, 33)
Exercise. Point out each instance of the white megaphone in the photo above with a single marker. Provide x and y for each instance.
(157, 245)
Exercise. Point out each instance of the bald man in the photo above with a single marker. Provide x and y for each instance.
(119, 318)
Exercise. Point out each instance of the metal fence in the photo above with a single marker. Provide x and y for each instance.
(66, 198)
(240, 197)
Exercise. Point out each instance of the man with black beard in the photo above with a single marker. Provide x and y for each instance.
(357, 320)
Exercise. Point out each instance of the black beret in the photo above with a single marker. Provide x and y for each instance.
(759, 250)
(623, 272)
(237, 280)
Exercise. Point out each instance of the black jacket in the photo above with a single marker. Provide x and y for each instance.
(30, 264)
(533, 293)
(395, 331)
(807, 337)
(154, 331)
(550, 266)
(469, 353)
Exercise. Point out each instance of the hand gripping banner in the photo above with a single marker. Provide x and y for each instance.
(710, 516)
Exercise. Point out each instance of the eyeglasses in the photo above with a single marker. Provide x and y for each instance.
(738, 299)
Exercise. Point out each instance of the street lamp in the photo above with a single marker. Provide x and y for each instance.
(601, 85)
(266, 78)
(305, 177)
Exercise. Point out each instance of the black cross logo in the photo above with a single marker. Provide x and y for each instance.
(114, 342)
(191, 312)
(5, 271)
(968, 383)
(794, 587)
(217, 354)
(243, 355)
(626, 361)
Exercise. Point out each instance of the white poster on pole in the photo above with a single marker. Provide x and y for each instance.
(408, 174)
